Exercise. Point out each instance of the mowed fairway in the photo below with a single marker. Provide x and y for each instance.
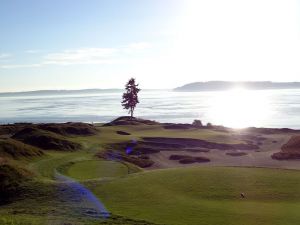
(206, 196)
(92, 169)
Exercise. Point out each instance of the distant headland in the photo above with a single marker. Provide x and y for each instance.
(226, 85)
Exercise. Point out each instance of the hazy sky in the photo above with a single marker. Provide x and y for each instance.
(74, 44)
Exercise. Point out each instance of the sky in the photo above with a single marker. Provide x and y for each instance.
(75, 44)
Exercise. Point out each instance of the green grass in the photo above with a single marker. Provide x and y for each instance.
(44, 169)
(92, 169)
(107, 135)
(183, 196)
(206, 196)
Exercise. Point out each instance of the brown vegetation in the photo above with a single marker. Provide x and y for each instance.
(290, 150)
(186, 159)
(11, 180)
(67, 129)
(236, 153)
(45, 140)
(16, 149)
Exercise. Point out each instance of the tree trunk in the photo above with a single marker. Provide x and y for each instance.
(131, 113)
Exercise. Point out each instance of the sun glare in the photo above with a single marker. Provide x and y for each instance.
(239, 108)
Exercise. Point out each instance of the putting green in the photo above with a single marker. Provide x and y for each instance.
(93, 169)
(204, 196)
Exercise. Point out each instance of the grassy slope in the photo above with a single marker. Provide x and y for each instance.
(92, 169)
(207, 196)
(177, 196)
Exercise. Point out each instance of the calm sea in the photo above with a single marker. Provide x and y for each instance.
(235, 108)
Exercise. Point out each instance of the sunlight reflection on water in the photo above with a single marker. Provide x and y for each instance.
(240, 108)
(235, 108)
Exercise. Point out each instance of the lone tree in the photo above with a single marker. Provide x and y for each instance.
(130, 97)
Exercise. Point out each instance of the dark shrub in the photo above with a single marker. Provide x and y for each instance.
(197, 123)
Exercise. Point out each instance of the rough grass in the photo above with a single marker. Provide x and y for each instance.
(67, 129)
(127, 120)
(45, 140)
(290, 150)
(11, 179)
(207, 196)
(16, 149)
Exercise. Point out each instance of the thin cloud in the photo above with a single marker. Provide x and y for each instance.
(139, 46)
(32, 51)
(81, 56)
(17, 66)
(5, 56)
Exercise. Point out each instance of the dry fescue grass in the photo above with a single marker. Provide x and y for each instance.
(15, 149)
(290, 150)
(45, 140)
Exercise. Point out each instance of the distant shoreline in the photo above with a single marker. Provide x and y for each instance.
(67, 92)
(227, 85)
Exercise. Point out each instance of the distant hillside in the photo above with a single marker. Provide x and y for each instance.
(226, 85)
(68, 92)
(58, 92)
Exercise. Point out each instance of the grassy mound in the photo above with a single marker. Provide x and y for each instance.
(11, 179)
(290, 150)
(45, 140)
(206, 195)
(16, 149)
(67, 129)
(92, 169)
(7, 129)
(127, 120)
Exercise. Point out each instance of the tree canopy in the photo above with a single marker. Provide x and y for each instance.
(130, 96)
